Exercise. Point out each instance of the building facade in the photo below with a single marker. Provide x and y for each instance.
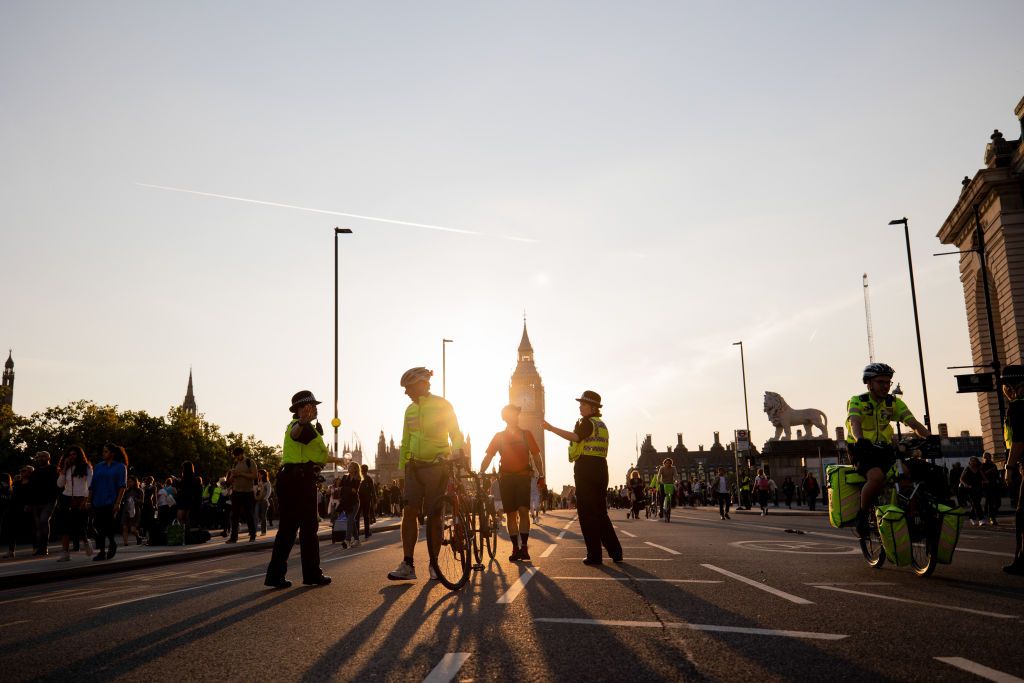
(698, 465)
(993, 202)
(386, 461)
(526, 390)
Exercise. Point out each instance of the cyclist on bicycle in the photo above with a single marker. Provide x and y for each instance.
(1013, 433)
(429, 424)
(518, 451)
(868, 424)
(667, 482)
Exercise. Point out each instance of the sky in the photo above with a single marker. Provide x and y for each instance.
(650, 182)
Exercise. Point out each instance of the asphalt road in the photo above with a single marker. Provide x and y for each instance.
(697, 599)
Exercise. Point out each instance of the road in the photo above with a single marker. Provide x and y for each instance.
(697, 599)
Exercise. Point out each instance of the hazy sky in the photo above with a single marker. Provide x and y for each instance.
(693, 174)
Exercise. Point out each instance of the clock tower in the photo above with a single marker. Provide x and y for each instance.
(526, 390)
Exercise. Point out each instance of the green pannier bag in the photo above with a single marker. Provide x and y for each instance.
(175, 534)
(892, 527)
(844, 498)
(950, 521)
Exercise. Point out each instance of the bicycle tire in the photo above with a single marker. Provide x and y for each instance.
(923, 557)
(871, 547)
(491, 541)
(452, 560)
(479, 529)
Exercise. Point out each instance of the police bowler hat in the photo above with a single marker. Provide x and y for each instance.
(302, 398)
(591, 397)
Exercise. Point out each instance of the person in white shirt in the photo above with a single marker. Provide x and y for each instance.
(74, 477)
(721, 486)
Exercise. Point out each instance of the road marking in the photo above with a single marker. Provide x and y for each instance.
(630, 578)
(997, 615)
(850, 583)
(215, 583)
(700, 627)
(797, 547)
(15, 623)
(550, 549)
(980, 670)
(661, 547)
(984, 552)
(561, 535)
(516, 588)
(760, 586)
(623, 531)
(447, 668)
(635, 559)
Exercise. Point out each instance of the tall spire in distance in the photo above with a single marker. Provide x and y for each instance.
(189, 405)
(7, 388)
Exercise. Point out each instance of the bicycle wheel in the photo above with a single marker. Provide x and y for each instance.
(478, 522)
(922, 553)
(452, 558)
(491, 540)
(871, 546)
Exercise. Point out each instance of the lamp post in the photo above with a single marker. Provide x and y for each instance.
(746, 411)
(336, 422)
(917, 322)
(444, 367)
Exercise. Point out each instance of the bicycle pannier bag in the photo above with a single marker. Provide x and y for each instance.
(892, 527)
(844, 499)
(950, 521)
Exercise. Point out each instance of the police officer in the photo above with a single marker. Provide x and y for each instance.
(588, 451)
(305, 453)
(1013, 434)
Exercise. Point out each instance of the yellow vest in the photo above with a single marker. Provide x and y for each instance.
(1008, 428)
(296, 453)
(875, 417)
(595, 445)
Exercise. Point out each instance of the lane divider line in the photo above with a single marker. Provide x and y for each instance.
(760, 586)
(699, 627)
(623, 531)
(954, 608)
(980, 670)
(561, 535)
(15, 623)
(629, 578)
(661, 547)
(550, 549)
(448, 668)
(516, 588)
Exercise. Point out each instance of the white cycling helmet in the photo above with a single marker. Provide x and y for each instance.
(414, 375)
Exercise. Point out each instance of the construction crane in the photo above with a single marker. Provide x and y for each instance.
(867, 318)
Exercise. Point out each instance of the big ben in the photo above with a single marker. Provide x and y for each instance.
(526, 390)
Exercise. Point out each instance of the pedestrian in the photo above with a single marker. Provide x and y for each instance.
(148, 518)
(811, 490)
(304, 455)
(5, 501)
(958, 491)
(430, 437)
(165, 504)
(108, 484)
(42, 492)
(367, 500)
(348, 502)
(745, 489)
(762, 487)
(973, 480)
(261, 494)
(722, 493)
(636, 493)
(131, 511)
(10, 525)
(588, 451)
(1013, 434)
(788, 488)
(519, 455)
(189, 497)
(74, 478)
(993, 488)
(242, 479)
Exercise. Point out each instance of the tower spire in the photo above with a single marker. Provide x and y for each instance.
(189, 404)
(7, 388)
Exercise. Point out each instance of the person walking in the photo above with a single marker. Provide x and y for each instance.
(42, 493)
(762, 487)
(109, 479)
(588, 451)
(788, 488)
(722, 493)
(10, 525)
(348, 503)
(242, 479)
(131, 511)
(304, 455)
(74, 477)
(261, 494)
(811, 490)
(993, 489)
(189, 497)
(367, 501)
(430, 436)
(636, 493)
(518, 450)
(973, 480)
(745, 487)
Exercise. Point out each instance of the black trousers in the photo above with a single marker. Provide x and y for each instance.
(103, 520)
(724, 503)
(366, 511)
(296, 496)
(591, 474)
(243, 506)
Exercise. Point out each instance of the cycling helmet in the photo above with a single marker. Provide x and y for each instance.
(1012, 374)
(877, 370)
(416, 375)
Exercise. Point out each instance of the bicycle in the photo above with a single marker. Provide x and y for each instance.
(451, 552)
(917, 491)
(483, 523)
(667, 501)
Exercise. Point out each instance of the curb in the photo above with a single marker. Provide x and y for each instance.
(102, 568)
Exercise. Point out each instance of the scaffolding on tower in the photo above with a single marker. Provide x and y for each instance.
(867, 318)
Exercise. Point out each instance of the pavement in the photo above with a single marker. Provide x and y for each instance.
(700, 599)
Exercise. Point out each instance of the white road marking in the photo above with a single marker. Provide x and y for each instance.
(550, 549)
(983, 552)
(996, 615)
(15, 623)
(447, 668)
(760, 586)
(623, 531)
(980, 670)
(629, 578)
(850, 583)
(700, 627)
(516, 588)
(635, 559)
(661, 547)
(561, 535)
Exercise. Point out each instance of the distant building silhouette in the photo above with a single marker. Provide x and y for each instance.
(189, 404)
(690, 465)
(386, 461)
(7, 388)
(526, 390)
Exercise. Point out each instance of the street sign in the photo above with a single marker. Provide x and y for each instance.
(742, 440)
(975, 383)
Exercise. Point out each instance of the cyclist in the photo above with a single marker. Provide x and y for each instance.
(518, 449)
(667, 483)
(1013, 433)
(868, 424)
(656, 493)
(429, 424)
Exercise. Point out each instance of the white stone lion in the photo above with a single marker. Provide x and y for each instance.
(783, 417)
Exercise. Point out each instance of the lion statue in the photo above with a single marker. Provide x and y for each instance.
(783, 417)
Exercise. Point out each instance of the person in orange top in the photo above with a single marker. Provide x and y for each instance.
(515, 476)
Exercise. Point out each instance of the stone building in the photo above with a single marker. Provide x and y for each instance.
(7, 388)
(386, 461)
(993, 199)
(526, 390)
(691, 465)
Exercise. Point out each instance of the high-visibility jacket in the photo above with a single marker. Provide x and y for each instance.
(297, 453)
(430, 424)
(744, 482)
(876, 416)
(1007, 424)
(595, 445)
(215, 496)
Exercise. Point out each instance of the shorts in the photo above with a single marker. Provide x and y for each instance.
(870, 458)
(424, 484)
(515, 491)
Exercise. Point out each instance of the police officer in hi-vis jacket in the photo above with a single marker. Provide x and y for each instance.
(588, 451)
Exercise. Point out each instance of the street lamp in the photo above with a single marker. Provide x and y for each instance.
(917, 322)
(746, 413)
(444, 367)
(336, 422)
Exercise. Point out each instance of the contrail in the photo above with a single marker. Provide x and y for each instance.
(331, 213)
